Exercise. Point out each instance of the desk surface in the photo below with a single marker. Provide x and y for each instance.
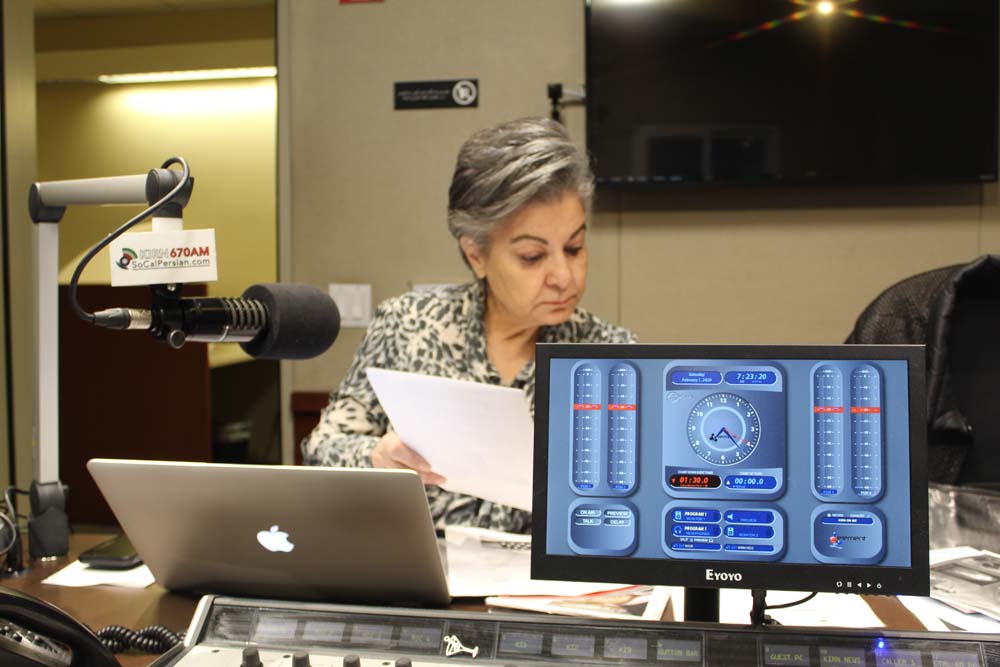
(101, 606)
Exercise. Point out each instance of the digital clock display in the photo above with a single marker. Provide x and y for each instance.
(751, 482)
(695, 481)
(751, 377)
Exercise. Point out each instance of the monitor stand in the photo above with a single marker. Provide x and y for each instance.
(701, 605)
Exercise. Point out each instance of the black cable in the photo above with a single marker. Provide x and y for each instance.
(13, 565)
(8, 498)
(185, 176)
(13, 533)
(151, 639)
(790, 604)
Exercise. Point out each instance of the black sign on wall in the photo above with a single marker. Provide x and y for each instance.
(436, 94)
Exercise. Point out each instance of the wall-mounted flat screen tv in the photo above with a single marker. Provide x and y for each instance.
(792, 91)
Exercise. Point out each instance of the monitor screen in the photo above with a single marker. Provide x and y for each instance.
(768, 467)
(752, 92)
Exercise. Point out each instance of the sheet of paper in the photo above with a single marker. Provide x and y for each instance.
(826, 609)
(936, 615)
(479, 436)
(487, 562)
(78, 574)
(967, 579)
(633, 603)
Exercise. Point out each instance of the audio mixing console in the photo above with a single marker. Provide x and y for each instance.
(232, 632)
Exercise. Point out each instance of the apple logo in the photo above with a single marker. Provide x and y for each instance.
(274, 540)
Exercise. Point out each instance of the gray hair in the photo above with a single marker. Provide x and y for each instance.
(503, 169)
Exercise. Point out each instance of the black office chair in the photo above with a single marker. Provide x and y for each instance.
(955, 312)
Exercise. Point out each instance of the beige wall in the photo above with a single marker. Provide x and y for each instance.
(368, 185)
(794, 267)
(19, 122)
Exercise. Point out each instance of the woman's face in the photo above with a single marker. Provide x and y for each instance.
(536, 264)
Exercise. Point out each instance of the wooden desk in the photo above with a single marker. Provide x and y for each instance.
(101, 606)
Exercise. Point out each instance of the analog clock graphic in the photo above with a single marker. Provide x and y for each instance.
(723, 428)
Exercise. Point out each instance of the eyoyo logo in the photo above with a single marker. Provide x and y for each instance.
(127, 256)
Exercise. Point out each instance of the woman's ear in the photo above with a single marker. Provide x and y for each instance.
(474, 255)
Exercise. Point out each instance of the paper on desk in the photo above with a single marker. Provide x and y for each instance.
(479, 436)
(936, 615)
(488, 562)
(826, 609)
(78, 574)
(967, 579)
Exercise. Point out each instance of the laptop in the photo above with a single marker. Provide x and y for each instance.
(286, 532)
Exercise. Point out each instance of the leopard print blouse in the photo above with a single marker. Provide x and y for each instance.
(438, 332)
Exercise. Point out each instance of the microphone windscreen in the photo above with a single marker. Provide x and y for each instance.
(302, 321)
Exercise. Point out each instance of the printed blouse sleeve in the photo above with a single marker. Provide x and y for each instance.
(354, 421)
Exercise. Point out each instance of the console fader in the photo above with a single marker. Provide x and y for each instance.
(234, 632)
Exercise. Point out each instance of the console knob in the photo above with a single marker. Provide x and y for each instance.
(300, 659)
(251, 657)
(352, 661)
(403, 662)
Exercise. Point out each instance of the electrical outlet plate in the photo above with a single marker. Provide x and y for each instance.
(354, 300)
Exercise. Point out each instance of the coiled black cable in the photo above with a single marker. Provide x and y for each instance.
(152, 639)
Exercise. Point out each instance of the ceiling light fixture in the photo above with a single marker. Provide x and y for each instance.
(191, 75)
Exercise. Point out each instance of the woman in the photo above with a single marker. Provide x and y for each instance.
(518, 205)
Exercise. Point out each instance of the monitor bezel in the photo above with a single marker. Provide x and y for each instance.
(912, 580)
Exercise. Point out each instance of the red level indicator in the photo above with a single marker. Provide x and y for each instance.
(586, 406)
(869, 410)
(621, 406)
(829, 408)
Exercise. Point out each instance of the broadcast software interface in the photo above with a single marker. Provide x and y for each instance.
(794, 461)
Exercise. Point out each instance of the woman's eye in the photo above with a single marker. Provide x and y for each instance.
(573, 252)
(531, 259)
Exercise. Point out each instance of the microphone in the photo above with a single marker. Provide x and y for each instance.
(270, 320)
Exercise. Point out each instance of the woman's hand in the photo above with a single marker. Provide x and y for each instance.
(390, 452)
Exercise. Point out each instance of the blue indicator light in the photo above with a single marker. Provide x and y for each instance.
(711, 529)
(749, 516)
(751, 377)
(750, 532)
(751, 482)
(698, 515)
(696, 377)
(765, 548)
(849, 520)
(880, 644)
(692, 546)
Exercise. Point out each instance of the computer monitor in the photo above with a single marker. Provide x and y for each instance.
(711, 466)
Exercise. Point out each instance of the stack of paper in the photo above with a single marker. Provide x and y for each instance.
(965, 591)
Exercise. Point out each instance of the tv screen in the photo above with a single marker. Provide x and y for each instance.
(789, 467)
(792, 91)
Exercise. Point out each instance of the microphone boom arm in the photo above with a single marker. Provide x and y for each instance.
(47, 202)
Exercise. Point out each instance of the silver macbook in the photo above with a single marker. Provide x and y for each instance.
(287, 532)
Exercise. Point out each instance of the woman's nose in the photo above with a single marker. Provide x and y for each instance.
(559, 273)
